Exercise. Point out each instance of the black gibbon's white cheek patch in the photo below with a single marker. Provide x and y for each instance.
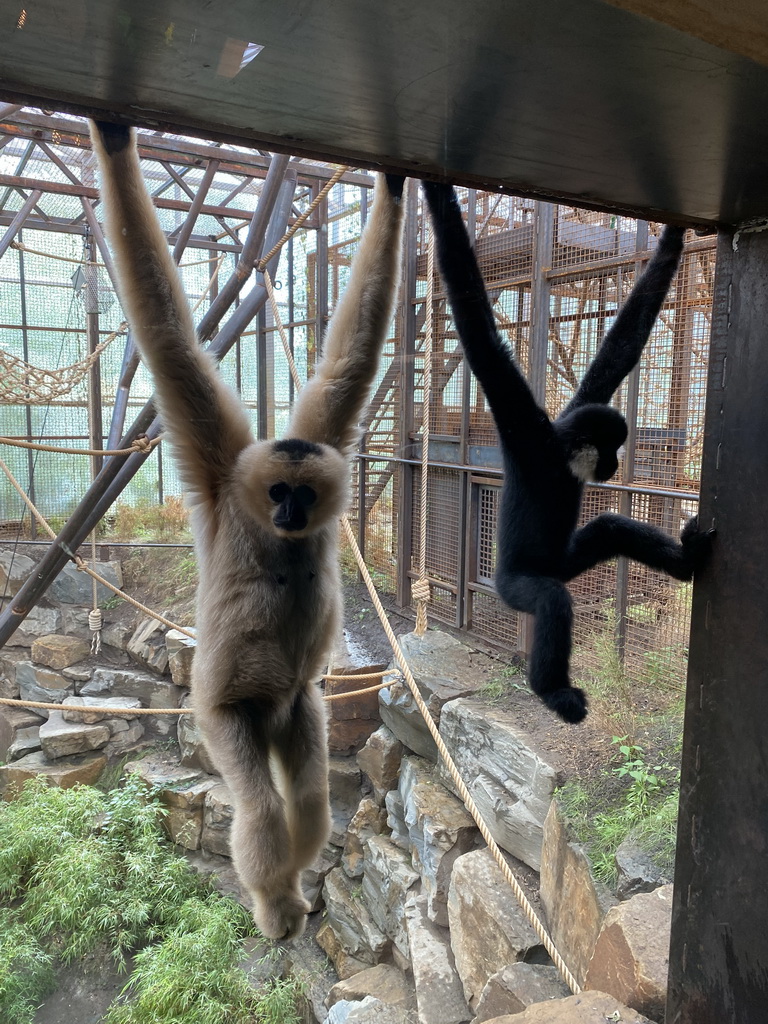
(583, 463)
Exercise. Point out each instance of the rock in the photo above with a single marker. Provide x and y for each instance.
(439, 995)
(181, 654)
(352, 720)
(117, 635)
(13, 721)
(39, 622)
(574, 903)
(366, 1011)
(125, 736)
(440, 829)
(368, 820)
(42, 684)
(72, 586)
(380, 761)
(387, 883)
(444, 669)
(85, 769)
(78, 673)
(344, 787)
(517, 986)
(25, 742)
(631, 957)
(61, 739)
(306, 962)
(194, 753)
(9, 660)
(150, 691)
(637, 871)
(509, 781)
(217, 819)
(489, 929)
(59, 652)
(352, 921)
(586, 1008)
(182, 792)
(395, 809)
(313, 877)
(344, 962)
(383, 982)
(14, 570)
(75, 709)
(147, 646)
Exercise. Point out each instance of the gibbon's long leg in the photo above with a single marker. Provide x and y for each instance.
(205, 422)
(550, 604)
(522, 424)
(623, 344)
(239, 735)
(302, 749)
(609, 535)
(329, 407)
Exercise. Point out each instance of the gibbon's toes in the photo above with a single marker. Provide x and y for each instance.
(114, 137)
(570, 703)
(281, 915)
(395, 184)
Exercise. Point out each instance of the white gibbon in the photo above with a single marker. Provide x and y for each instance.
(265, 521)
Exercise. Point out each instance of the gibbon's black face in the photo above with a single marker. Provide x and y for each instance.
(292, 487)
(592, 436)
(292, 505)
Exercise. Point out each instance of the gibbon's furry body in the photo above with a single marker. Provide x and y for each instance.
(265, 520)
(546, 463)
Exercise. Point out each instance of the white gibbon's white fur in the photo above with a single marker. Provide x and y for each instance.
(265, 521)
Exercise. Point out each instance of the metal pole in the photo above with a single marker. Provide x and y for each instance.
(119, 470)
(718, 971)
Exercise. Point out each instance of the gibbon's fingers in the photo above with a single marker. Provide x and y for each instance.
(329, 407)
(489, 357)
(623, 344)
(205, 422)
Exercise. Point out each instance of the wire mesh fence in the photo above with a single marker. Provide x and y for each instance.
(556, 276)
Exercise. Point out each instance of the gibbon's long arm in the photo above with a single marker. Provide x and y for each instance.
(516, 412)
(329, 407)
(623, 344)
(205, 423)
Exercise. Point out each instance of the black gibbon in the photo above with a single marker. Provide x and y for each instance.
(265, 520)
(546, 463)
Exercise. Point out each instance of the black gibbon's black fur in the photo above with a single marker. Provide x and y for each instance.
(546, 463)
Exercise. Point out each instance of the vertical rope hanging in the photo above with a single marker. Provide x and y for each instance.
(95, 618)
(421, 590)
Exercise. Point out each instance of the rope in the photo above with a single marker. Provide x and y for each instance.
(421, 589)
(264, 261)
(466, 796)
(141, 444)
(32, 385)
(17, 702)
(90, 263)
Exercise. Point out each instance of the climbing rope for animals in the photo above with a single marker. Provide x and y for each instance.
(421, 589)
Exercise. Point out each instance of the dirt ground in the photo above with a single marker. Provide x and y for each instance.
(84, 992)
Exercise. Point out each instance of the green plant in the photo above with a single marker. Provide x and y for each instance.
(90, 871)
(646, 782)
(500, 686)
(26, 971)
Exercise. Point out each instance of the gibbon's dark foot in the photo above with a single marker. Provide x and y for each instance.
(570, 703)
(114, 136)
(281, 914)
(395, 184)
(697, 544)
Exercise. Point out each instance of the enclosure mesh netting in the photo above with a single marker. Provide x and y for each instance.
(564, 300)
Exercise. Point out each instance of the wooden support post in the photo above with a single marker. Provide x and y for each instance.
(719, 952)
